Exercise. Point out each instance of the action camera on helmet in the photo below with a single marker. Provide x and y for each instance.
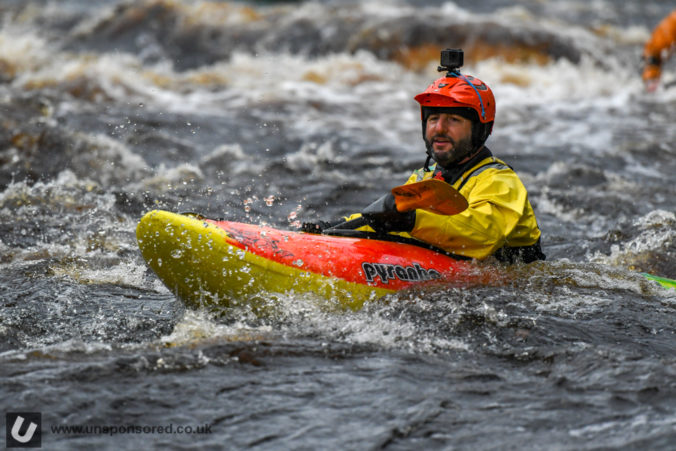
(451, 60)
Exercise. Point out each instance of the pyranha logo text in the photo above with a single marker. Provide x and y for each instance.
(386, 272)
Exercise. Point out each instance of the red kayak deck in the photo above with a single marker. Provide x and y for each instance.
(386, 264)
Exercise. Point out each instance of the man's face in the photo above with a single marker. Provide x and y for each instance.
(449, 136)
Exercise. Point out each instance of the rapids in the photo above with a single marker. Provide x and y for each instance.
(281, 112)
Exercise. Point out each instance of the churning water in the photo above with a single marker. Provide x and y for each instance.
(275, 112)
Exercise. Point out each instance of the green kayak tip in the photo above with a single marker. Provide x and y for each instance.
(667, 283)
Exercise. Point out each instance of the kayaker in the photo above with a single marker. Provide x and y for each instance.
(457, 114)
(657, 50)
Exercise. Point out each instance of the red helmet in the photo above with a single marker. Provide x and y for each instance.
(456, 90)
(464, 95)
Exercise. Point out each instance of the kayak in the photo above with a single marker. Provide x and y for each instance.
(666, 283)
(214, 263)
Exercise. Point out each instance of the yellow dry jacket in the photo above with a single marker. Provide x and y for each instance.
(499, 213)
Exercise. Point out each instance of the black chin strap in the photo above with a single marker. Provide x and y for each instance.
(426, 167)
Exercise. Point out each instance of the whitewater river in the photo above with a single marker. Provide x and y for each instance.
(275, 112)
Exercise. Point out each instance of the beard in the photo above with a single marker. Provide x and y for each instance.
(460, 150)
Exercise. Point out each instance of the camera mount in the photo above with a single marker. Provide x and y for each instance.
(451, 60)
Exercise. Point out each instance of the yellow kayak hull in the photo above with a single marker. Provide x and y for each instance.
(206, 267)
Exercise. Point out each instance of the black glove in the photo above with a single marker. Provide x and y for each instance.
(315, 227)
(383, 216)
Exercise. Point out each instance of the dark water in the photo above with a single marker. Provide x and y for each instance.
(276, 112)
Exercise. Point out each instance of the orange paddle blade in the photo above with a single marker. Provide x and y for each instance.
(431, 195)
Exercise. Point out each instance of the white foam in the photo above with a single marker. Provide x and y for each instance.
(198, 326)
(657, 231)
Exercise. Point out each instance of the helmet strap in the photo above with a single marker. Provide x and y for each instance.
(426, 166)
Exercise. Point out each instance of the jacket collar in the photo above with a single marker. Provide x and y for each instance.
(453, 174)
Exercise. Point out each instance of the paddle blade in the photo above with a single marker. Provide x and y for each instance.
(431, 195)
